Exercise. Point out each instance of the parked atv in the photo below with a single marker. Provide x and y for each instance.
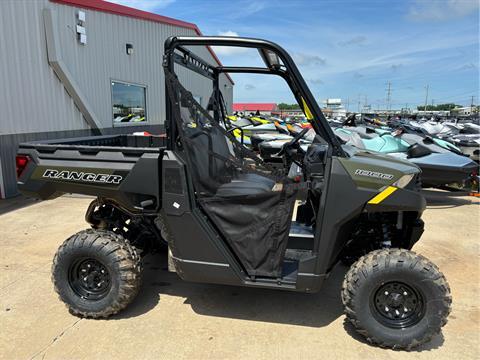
(227, 216)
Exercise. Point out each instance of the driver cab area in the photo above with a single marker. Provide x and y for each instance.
(219, 165)
(261, 219)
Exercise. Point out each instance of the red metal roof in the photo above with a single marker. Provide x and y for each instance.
(117, 9)
(254, 107)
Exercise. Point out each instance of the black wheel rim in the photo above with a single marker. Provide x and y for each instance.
(89, 279)
(398, 305)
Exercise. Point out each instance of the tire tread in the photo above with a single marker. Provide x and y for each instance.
(122, 252)
(392, 258)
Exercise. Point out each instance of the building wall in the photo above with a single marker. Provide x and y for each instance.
(33, 100)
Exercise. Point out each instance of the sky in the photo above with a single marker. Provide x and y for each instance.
(348, 49)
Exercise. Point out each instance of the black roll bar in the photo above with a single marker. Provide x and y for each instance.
(291, 74)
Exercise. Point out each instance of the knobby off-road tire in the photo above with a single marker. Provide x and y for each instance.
(96, 273)
(396, 298)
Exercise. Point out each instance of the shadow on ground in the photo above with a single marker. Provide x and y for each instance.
(446, 199)
(435, 343)
(274, 306)
(16, 203)
(21, 201)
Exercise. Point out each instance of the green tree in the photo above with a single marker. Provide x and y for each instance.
(439, 107)
(284, 106)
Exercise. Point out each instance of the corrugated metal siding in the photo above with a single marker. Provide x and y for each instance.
(104, 58)
(31, 97)
(34, 100)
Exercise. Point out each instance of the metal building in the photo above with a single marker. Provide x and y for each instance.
(82, 67)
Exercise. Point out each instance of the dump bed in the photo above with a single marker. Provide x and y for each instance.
(122, 168)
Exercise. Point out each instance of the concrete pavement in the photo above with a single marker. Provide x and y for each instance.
(174, 319)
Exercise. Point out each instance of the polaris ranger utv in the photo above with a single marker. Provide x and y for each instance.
(228, 218)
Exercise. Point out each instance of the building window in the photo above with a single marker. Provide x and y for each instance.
(128, 103)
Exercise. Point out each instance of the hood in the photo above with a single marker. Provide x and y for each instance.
(375, 171)
(353, 151)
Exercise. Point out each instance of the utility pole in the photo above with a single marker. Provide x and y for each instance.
(471, 104)
(388, 94)
(348, 103)
(426, 98)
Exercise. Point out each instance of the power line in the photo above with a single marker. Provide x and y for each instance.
(458, 95)
(388, 95)
(462, 98)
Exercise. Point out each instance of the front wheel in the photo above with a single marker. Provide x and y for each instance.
(396, 298)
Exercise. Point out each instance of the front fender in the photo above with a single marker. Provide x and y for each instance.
(398, 200)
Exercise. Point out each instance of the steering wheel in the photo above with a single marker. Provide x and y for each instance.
(292, 142)
(297, 138)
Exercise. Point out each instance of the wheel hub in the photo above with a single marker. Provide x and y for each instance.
(398, 305)
(395, 299)
(89, 279)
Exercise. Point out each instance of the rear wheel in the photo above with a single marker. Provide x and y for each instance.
(96, 273)
(396, 298)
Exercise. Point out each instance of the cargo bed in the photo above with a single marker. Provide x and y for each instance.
(123, 168)
(105, 141)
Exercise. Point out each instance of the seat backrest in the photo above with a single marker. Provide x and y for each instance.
(207, 149)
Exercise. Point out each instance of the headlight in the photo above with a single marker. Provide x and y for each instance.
(403, 181)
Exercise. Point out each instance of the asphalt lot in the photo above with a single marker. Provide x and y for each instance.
(174, 319)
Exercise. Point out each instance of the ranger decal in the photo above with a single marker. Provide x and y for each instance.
(82, 176)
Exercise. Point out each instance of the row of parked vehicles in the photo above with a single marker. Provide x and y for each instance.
(447, 152)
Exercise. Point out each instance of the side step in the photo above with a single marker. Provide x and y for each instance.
(291, 263)
(300, 237)
(300, 230)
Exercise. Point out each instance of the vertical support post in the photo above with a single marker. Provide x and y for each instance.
(170, 126)
(216, 92)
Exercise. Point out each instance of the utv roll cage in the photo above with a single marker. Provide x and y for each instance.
(277, 62)
(220, 175)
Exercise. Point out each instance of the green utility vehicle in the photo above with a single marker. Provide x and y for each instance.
(228, 218)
